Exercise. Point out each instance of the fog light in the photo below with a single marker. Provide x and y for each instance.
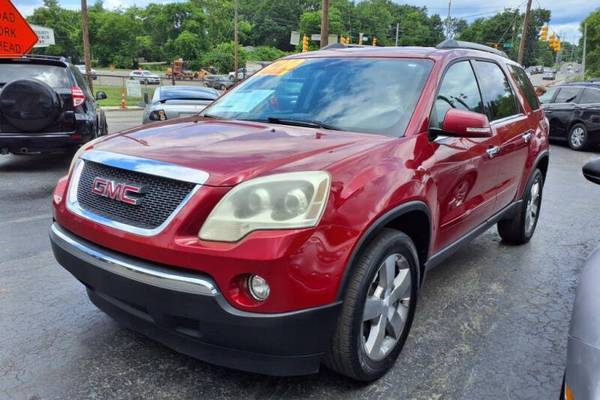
(258, 287)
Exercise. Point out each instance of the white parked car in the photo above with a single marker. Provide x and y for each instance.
(144, 76)
(93, 72)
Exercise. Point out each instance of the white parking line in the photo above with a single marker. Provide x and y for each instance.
(28, 219)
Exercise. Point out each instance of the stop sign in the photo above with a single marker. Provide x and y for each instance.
(16, 36)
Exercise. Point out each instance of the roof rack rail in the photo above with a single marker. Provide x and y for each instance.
(459, 44)
(334, 46)
(45, 57)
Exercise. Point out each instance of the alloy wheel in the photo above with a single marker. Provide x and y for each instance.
(577, 137)
(533, 207)
(386, 307)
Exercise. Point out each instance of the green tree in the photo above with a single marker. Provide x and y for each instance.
(67, 29)
(592, 59)
(221, 57)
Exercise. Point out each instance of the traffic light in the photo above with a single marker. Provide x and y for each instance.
(305, 43)
(544, 33)
(374, 43)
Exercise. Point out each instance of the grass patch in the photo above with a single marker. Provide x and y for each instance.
(113, 94)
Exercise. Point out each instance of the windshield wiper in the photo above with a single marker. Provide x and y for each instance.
(302, 122)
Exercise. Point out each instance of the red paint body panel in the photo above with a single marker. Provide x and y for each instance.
(371, 175)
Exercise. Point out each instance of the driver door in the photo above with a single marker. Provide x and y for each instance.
(465, 174)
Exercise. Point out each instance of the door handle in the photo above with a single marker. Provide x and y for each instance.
(527, 137)
(493, 151)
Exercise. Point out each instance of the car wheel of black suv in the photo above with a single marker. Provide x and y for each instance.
(578, 137)
(520, 228)
(378, 310)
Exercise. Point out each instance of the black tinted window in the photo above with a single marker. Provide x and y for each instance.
(590, 96)
(525, 85)
(458, 90)
(54, 76)
(567, 95)
(547, 97)
(497, 94)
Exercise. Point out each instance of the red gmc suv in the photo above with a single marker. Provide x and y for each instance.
(293, 221)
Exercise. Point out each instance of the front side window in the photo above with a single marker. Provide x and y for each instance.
(458, 90)
(353, 94)
(547, 97)
(567, 95)
(497, 94)
(525, 85)
(590, 96)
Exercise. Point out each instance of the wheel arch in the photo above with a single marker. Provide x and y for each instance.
(413, 219)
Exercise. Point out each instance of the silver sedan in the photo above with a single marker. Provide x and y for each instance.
(582, 376)
(170, 102)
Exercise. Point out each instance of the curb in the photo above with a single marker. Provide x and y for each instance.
(118, 108)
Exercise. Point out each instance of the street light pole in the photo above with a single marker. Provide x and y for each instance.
(524, 33)
(86, 43)
(448, 19)
(324, 23)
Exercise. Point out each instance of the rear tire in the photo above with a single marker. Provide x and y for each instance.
(378, 308)
(578, 137)
(520, 228)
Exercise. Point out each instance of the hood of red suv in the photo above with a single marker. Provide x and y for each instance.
(234, 151)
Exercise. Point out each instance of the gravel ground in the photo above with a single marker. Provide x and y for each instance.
(491, 321)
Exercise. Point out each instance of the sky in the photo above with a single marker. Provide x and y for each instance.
(566, 14)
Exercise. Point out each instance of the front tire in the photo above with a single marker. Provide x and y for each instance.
(520, 228)
(578, 137)
(378, 309)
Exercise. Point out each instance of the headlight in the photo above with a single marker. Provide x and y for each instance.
(158, 115)
(283, 201)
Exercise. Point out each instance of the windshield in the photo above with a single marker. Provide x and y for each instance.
(362, 95)
(186, 93)
(56, 77)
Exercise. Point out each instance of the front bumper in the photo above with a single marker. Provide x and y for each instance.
(187, 312)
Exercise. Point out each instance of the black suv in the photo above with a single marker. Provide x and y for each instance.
(46, 106)
(573, 110)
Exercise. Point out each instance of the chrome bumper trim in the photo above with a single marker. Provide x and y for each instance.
(131, 268)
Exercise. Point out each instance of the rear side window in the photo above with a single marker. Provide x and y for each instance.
(55, 76)
(458, 90)
(525, 85)
(497, 93)
(81, 81)
(590, 96)
(567, 95)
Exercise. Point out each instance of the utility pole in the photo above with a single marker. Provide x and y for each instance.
(235, 41)
(397, 30)
(584, 49)
(86, 43)
(324, 23)
(524, 33)
(448, 20)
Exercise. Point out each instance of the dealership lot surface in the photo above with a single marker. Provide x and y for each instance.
(492, 320)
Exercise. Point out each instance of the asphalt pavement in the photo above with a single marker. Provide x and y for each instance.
(491, 321)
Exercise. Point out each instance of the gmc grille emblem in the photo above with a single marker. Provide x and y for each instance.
(116, 191)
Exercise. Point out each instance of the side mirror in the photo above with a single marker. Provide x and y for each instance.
(100, 95)
(469, 124)
(591, 171)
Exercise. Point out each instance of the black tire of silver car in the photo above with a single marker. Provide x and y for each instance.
(578, 137)
(520, 228)
(29, 105)
(378, 308)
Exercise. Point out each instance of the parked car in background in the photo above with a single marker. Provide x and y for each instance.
(582, 373)
(293, 221)
(221, 82)
(144, 76)
(574, 113)
(170, 102)
(93, 72)
(46, 106)
(549, 74)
